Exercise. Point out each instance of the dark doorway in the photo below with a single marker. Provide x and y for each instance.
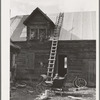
(62, 70)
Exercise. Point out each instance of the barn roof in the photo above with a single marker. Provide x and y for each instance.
(76, 26)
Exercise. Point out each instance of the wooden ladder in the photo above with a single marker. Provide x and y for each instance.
(52, 57)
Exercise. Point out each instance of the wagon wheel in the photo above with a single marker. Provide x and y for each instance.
(80, 82)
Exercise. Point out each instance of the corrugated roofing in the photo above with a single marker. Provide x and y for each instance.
(76, 26)
(17, 28)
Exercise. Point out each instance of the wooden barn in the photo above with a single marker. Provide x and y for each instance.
(77, 43)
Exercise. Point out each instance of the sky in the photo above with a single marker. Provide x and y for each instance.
(23, 7)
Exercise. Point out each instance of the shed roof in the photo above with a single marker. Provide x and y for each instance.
(14, 48)
(14, 45)
(76, 26)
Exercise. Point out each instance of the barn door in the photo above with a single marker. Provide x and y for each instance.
(62, 65)
(91, 72)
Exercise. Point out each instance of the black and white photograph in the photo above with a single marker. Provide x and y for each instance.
(53, 50)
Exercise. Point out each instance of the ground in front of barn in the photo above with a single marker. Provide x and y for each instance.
(30, 92)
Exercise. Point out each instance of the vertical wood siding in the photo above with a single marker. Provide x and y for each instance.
(81, 56)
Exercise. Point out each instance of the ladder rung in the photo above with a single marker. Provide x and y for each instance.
(50, 67)
(53, 50)
(52, 56)
(54, 45)
(51, 63)
(53, 53)
(50, 71)
(51, 59)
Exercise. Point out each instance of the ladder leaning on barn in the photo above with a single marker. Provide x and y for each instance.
(52, 57)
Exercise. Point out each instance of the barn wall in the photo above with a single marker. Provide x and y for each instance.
(81, 56)
(30, 57)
